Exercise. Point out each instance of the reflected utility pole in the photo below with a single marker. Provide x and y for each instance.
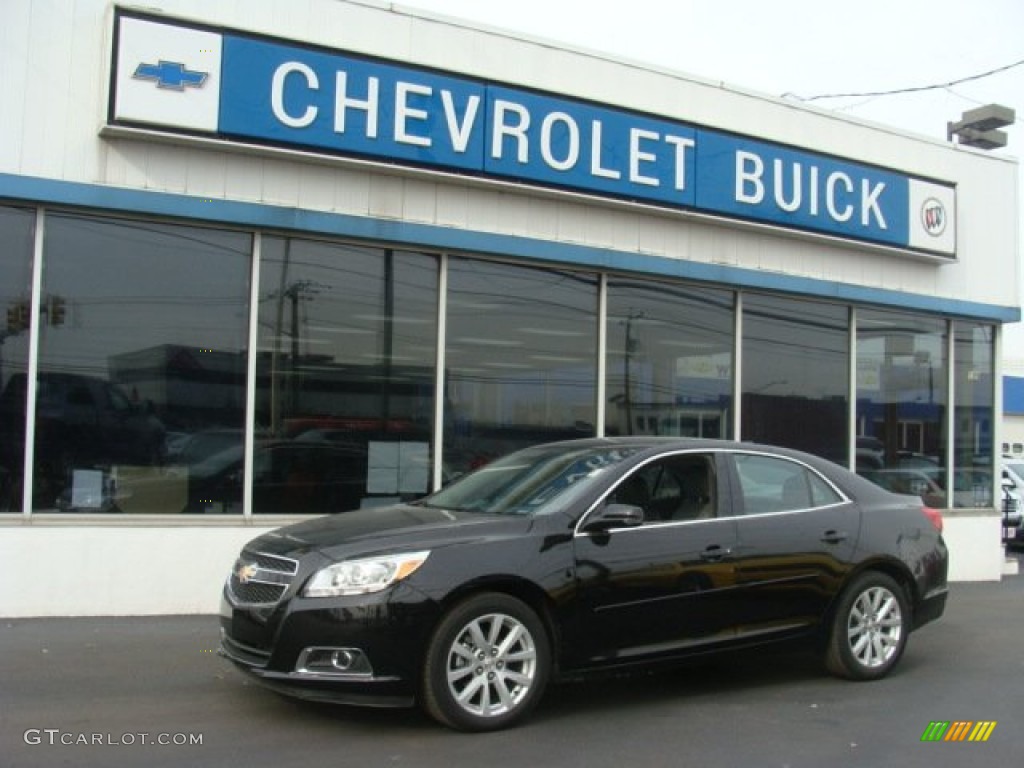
(631, 346)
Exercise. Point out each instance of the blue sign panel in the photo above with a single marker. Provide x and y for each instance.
(595, 149)
(259, 91)
(777, 185)
(289, 95)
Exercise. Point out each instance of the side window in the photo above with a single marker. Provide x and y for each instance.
(673, 489)
(769, 484)
(822, 494)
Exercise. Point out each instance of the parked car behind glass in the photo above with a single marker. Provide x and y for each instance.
(81, 422)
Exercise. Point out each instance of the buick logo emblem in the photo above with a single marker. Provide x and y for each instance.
(933, 217)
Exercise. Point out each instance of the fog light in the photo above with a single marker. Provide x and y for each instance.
(333, 661)
(343, 659)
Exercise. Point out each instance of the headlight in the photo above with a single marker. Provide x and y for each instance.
(358, 577)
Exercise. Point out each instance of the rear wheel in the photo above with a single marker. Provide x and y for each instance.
(869, 630)
(487, 664)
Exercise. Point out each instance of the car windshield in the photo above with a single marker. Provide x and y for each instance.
(534, 481)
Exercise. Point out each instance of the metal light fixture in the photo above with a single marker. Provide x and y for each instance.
(978, 127)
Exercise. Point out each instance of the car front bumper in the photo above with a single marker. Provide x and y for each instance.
(364, 650)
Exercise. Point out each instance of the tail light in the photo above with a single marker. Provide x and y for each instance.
(934, 516)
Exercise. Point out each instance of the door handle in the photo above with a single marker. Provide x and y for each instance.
(715, 553)
(834, 537)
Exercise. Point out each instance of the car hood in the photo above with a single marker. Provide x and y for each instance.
(369, 531)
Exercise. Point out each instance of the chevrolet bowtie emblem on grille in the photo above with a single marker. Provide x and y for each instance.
(246, 572)
(171, 75)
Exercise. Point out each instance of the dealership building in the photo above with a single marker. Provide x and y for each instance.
(264, 260)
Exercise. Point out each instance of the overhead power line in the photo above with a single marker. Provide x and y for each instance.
(914, 89)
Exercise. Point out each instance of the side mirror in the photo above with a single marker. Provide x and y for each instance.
(616, 516)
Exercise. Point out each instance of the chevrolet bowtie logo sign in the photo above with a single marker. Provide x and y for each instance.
(246, 572)
(171, 75)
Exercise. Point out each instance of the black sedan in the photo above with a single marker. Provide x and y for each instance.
(578, 557)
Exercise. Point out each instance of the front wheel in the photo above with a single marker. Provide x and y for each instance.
(869, 629)
(487, 664)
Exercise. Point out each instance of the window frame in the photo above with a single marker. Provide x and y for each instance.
(739, 499)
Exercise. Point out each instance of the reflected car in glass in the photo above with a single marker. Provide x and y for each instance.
(1013, 508)
(288, 477)
(82, 423)
(581, 557)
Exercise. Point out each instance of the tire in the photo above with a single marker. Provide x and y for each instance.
(487, 664)
(869, 630)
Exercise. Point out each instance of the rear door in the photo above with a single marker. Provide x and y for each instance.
(796, 536)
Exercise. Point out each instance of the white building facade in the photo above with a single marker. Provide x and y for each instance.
(267, 260)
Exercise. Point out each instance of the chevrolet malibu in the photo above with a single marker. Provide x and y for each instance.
(580, 557)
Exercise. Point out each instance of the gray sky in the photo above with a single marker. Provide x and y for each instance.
(801, 47)
(806, 48)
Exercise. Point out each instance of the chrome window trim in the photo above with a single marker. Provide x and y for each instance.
(843, 498)
(662, 525)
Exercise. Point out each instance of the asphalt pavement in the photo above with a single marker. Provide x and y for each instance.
(152, 692)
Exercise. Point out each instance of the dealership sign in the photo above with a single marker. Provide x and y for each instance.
(235, 87)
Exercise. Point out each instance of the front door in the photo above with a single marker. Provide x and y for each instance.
(665, 586)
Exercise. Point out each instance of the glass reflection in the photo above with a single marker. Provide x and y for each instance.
(670, 359)
(16, 235)
(795, 374)
(142, 349)
(901, 403)
(345, 377)
(521, 357)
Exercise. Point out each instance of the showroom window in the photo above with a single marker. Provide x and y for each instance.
(16, 236)
(795, 373)
(973, 436)
(902, 371)
(345, 376)
(521, 359)
(142, 356)
(670, 359)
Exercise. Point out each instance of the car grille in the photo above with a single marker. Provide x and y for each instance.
(260, 579)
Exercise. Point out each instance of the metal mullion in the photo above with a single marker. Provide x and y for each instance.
(851, 404)
(737, 356)
(32, 387)
(950, 410)
(439, 363)
(250, 376)
(602, 352)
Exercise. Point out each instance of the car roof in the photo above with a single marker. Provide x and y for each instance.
(851, 483)
(682, 443)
